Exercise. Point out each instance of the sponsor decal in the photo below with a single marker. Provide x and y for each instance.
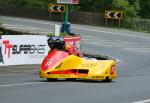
(100, 77)
(23, 49)
(87, 65)
(59, 66)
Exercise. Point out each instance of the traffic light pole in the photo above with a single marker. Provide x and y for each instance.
(66, 17)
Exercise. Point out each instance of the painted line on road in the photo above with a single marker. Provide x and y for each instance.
(23, 27)
(17, 19)
(116, 33)
(21, 84)
(144, 101)
(122, 34)
(143, 50)
(130, 46)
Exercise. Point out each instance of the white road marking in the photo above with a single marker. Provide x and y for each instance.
(116, 43)
(23, 27)
(17, 19)
(108, 32)
(110, 42)
(21, 84)
(144, 101)
(122, 34)
(138, 49)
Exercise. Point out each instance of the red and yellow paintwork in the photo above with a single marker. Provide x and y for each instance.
(59, 64)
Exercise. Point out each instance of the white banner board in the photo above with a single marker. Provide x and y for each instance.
(22, 49)
(68, 1)
(1, 56)
(65, 1)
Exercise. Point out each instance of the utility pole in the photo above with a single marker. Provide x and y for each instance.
(66, 17)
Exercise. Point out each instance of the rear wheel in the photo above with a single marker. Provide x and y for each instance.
(70, 79)
(51, 79)
(107, 79)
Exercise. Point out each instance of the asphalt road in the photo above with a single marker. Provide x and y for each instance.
(131, 86)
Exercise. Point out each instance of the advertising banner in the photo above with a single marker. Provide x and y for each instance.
(1, 56)
(22, 49)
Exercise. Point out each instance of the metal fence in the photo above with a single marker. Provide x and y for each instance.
(37, 13)
(143, 24)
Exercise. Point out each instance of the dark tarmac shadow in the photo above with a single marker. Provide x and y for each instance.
(79, 81)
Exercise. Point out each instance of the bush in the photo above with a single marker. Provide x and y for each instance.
(1, 32)
(130, 12)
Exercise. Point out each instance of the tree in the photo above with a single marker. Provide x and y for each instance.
(145, 9)
(129, 11)
(94, 5)
(130, 8)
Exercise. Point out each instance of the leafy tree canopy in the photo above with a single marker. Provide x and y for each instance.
(131, 8)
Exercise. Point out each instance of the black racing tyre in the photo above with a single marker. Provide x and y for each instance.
(51, 79)
(107, 79)
(70, 79)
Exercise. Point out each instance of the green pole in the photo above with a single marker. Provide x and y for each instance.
(66, 17)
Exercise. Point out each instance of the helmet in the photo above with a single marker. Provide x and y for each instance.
(56, 42)
(59, 44)
(50, 43)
